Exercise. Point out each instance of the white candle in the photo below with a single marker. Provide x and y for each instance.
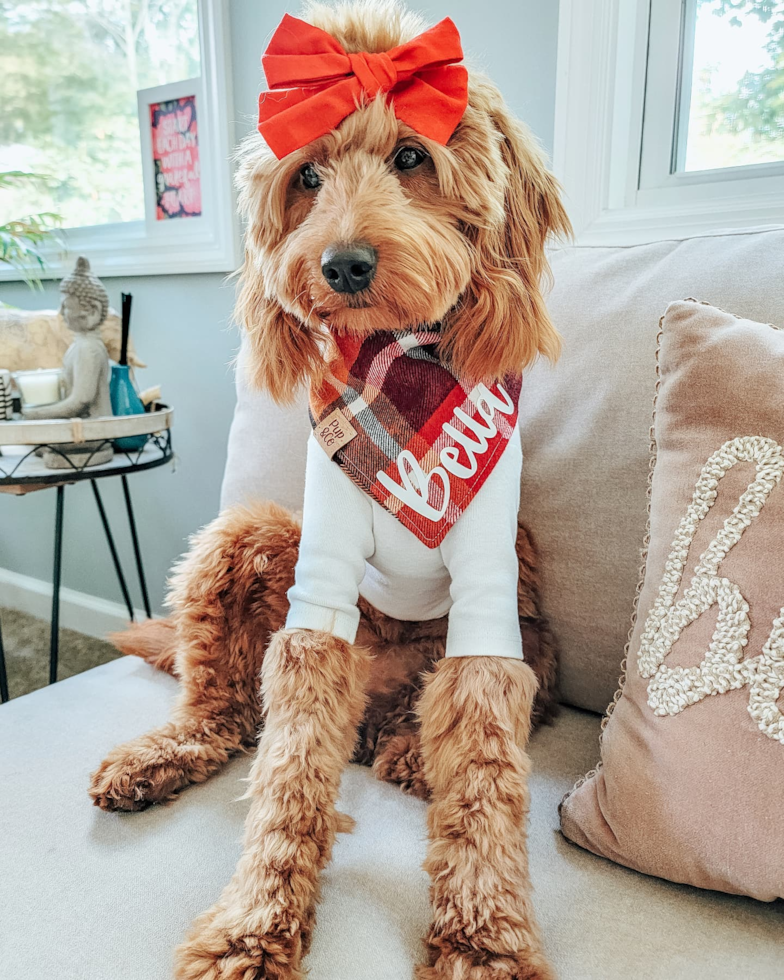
(39, 387)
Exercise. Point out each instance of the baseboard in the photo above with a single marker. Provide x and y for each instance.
(79, 611)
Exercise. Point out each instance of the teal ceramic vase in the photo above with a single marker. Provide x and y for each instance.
(125, 401)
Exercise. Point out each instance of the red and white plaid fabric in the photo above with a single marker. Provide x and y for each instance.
(417, 439)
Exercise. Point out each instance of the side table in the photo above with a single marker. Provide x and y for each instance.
(22, 471)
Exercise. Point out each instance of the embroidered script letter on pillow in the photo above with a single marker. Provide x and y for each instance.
(726, 665)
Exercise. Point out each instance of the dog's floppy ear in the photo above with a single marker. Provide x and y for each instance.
(501, 323)
(282, 352)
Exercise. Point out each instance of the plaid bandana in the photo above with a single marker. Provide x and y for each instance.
(417, 439)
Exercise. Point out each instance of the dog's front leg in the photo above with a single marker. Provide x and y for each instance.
(313, 687)
(475, 715)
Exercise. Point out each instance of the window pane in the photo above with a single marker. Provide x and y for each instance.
(70, 72)
(734, 88)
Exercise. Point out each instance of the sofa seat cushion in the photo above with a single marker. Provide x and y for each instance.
(87, 895)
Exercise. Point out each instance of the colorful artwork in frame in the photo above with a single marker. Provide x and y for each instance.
(175, 156)
(174, 135)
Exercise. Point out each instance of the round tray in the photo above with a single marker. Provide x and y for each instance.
(47, 432)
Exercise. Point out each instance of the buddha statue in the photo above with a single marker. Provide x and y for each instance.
(84, 307)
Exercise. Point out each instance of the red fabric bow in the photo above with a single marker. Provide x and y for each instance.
(323, 84)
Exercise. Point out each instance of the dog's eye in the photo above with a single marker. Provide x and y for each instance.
(310, 178)
(409, 157)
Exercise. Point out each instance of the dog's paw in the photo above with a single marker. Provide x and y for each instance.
(479, 965)
(126, 782)
(230, 944)
(400, 762)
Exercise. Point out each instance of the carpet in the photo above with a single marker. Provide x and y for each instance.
(26, 644)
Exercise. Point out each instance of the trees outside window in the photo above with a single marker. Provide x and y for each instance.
(734, 92)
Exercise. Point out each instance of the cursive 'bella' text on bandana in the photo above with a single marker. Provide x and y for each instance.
(407, 431)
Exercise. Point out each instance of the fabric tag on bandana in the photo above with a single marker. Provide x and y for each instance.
(407, 431)
(334, 432)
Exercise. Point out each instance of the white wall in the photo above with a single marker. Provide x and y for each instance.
(182, 324)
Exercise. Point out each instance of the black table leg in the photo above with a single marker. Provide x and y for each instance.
(136, 549)
(3, 675)
(54, 636)
(113, 550)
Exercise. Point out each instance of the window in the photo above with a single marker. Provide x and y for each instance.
(731, 104)
(682, 106)
(71, 72)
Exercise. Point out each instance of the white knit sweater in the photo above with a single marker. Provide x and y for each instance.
(352, 546)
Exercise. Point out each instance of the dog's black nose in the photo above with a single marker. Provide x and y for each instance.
(349, 268)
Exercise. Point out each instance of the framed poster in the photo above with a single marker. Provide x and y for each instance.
(171, 158)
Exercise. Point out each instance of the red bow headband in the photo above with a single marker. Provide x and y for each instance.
(323, 84)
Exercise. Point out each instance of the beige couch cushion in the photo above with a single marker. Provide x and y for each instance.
(586, 426)
(87, 895)
(266, 452)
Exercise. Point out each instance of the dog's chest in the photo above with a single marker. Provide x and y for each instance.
(404, 578)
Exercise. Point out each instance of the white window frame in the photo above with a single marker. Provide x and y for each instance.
(206, 244)
(612, 151)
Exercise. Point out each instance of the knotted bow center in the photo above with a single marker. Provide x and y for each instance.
(376, 72)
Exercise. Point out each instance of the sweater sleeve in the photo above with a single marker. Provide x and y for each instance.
(337, 540)
(481, 556)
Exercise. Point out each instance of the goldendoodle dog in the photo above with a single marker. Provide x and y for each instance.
(397, 217)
